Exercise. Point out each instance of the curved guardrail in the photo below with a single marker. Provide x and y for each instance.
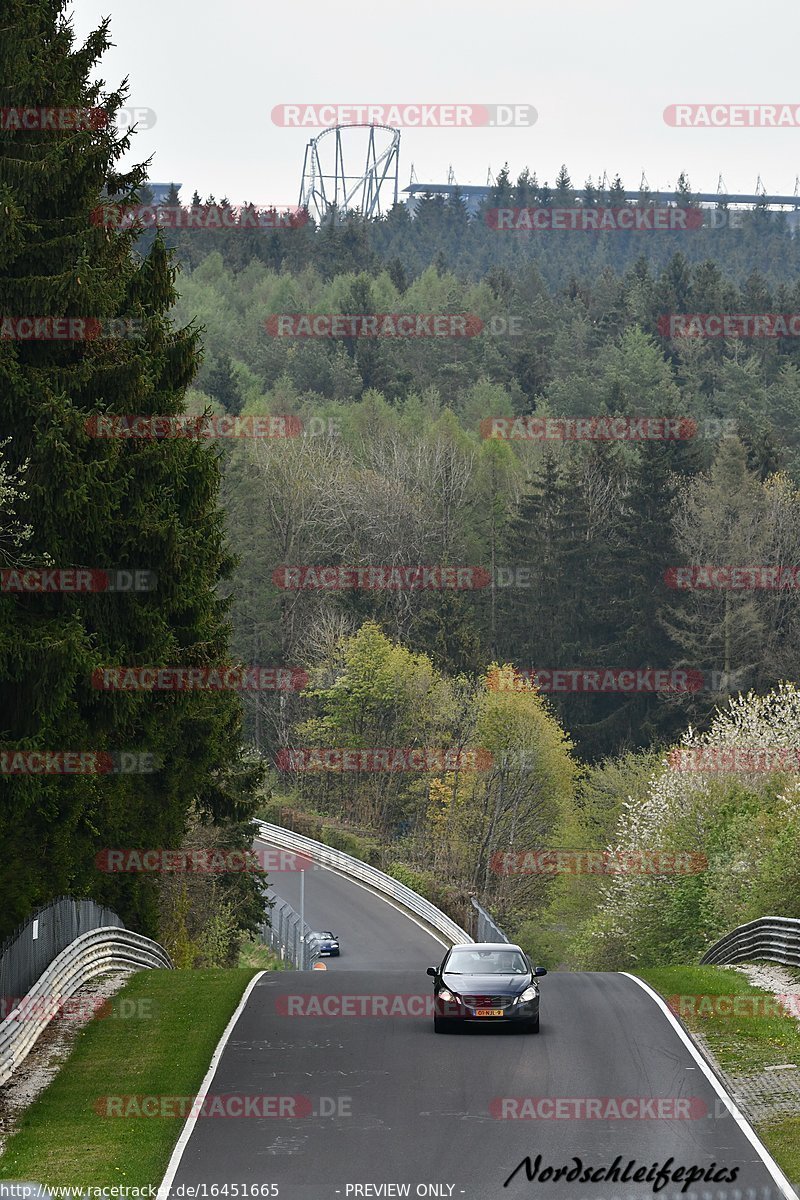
(776, 939)
(91, 954)
(353, 868)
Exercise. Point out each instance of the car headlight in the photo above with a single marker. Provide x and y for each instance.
(446, 994)
(530, 993)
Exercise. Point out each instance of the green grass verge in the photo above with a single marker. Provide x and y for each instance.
(742, 1045)
(261, 957)
(63, 1140)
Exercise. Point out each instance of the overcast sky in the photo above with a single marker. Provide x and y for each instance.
(599, 75)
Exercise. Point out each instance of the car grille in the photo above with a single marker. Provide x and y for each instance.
(488, 1001)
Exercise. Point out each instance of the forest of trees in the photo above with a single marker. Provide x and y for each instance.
(575, 538)
(394, 468)
(572, 540)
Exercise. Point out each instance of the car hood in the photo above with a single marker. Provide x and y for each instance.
(486, 985)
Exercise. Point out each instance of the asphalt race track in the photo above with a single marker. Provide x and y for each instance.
(374, 1099)
(373, 932)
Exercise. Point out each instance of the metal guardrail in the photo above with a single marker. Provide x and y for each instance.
(91, 954)
(43, 934)
(486, 928)
(289, 936)
(377, 881)
(776, 939)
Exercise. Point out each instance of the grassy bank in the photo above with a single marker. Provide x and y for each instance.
(259, 957)
(62, 1138)
(741, 1044)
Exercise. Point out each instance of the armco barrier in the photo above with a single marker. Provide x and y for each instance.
(377, 881)
(42, 936)
(775, 939)
(91, 954)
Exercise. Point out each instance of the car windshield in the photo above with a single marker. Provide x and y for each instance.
(324, 934)
(486, 962)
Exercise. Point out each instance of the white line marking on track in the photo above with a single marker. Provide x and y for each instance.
(186, 1132)
(747, 1129)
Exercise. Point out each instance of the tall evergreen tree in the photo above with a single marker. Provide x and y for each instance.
(222, 385)
(104, 504)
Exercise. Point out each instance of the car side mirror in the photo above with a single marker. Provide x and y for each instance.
(431, 971)
(540, 970)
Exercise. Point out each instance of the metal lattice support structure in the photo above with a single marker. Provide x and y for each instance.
(328, 187)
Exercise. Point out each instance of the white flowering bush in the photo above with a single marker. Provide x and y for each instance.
(743, 816)
(13, 532)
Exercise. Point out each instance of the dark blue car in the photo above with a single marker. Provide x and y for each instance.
(486, 983)
(328, 943)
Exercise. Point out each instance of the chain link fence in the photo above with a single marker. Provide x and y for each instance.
(289, 937)
(485, 928)
(28, 952)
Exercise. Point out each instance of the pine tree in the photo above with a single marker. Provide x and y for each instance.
(616, 193)
(564, 194)
(529, 607)
(647, 546)
(99, 503)
(397, 275)
(222, 385)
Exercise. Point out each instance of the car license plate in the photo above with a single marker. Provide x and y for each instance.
(488, 1012)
